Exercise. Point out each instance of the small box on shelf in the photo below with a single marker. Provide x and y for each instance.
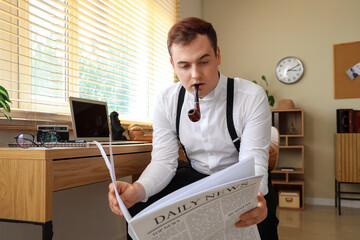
(289, 199)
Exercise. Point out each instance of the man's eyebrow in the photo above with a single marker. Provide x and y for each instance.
(203, 56)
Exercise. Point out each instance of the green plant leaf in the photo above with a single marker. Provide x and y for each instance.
(5, 106)
(4, 94)
(264, 79)
(2, 98)
(7, 116)
(271, 100)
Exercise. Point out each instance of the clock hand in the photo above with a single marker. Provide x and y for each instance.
(293, 67)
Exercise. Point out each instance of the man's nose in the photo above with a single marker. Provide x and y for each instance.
(195, 72)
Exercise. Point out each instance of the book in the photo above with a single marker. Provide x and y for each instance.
(344, 120)
(276, 122)
(206, 209)
(356, 121)
(287, 169)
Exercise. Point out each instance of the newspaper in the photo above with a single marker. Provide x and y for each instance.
(207, 209)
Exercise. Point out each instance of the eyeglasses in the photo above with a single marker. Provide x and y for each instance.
(26, 140)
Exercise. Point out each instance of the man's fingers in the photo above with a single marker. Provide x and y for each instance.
(254, 216)
(113, 203)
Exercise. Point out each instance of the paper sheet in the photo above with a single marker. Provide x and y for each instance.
(110, 165)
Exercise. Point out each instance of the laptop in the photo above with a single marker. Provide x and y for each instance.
(91, 122)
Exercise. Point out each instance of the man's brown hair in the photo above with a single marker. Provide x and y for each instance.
(186, 30)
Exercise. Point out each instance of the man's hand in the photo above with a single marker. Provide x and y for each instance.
(255, 216)
(129, 193)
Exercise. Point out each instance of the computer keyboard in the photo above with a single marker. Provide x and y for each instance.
(59, 144)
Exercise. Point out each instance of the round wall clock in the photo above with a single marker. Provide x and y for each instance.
(289, 70)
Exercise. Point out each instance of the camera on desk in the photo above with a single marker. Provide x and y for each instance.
(61, 131)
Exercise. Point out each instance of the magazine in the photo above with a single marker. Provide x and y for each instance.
(207, 209)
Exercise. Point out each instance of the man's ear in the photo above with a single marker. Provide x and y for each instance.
(218, 56)
(172, 64)
(171, 61)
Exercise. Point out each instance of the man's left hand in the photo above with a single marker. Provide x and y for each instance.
(255, 216)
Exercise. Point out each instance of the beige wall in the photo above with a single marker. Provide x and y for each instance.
(255, 34)
(190, 8)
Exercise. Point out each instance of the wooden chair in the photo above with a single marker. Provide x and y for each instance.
(274, 148)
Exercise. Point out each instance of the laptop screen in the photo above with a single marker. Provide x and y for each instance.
(90, 119)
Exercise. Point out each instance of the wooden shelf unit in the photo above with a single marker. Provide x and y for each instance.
(290, 124)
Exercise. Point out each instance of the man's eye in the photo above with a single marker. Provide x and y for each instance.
(184, 66)
(204, 62)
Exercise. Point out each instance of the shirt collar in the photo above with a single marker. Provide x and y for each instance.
(218, 90)
(215, 93)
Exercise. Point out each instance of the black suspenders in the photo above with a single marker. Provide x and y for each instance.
(229, 114)
(178, 113)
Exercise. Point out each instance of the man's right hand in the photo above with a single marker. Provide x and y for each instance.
(129, 193)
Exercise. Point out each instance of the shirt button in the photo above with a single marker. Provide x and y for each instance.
(206, 140)
(204, 116)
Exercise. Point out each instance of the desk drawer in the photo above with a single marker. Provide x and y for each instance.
(81, 171)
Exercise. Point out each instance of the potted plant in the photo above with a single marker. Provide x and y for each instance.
(271, 98)
(4, 100)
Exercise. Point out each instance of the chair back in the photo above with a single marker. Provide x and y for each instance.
(274, 148)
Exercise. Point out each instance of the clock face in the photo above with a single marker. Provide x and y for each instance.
(289, 70)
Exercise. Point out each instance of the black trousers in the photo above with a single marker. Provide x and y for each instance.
(186, 175)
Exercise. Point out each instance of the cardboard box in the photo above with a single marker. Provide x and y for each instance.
(289, 199)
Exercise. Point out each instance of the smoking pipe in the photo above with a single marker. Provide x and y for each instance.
(194, 114)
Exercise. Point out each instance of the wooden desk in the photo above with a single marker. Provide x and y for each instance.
(28, 177)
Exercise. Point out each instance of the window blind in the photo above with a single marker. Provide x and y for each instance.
(113, 51)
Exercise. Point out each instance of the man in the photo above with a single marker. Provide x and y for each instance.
(195, 58)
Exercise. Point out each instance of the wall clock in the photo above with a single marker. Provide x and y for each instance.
(289, 70)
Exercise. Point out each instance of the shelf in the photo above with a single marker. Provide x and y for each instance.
(281, 135)
(290, 124)
(280, 182)
(296, 185)
(291, 156)
(293, 146)
(296, 171)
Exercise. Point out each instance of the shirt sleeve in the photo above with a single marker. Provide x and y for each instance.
(162, 167)
(255, 139)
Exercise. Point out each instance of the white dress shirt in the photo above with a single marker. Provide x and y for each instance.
(207, 142)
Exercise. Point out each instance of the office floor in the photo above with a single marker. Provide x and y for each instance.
(319, 222)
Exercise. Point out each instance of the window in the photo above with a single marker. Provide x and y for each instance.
(113, 51)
